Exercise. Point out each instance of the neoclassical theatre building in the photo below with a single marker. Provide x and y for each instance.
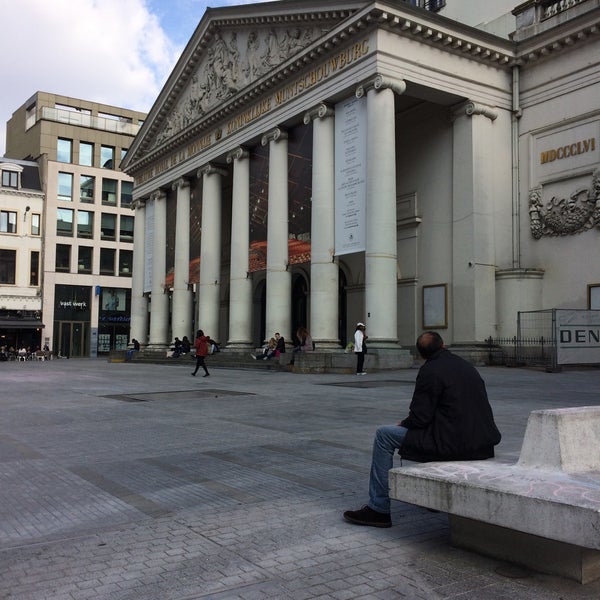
(411, 165)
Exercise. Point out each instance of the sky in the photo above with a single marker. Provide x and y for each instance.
(117, 52)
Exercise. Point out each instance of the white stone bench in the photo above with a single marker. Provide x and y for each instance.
(542, 512)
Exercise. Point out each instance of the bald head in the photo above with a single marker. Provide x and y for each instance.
(429, 343)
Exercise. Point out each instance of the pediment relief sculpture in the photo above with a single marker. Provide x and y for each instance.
(565, 216)
(234, 60)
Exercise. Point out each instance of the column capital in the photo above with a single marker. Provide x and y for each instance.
(182, 182)
(158, 195)
(237, 154)
(379, 82)
(274, 135)
(138, 203)
(321, 111)
(471, 108)
(210, 169)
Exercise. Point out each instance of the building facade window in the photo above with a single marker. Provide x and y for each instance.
(65, 187)
(8, 264)
(86, 188)
(108, 226)
(36, 220)
(64, 150)
(8, 221)
(63, 258)
(84, 259)
(125, 262)
(86, 154)
(107, 157)
(109, 191)
(10, 179)
(64, 222)
(34, 268)
(126, 229)
(85, 224)
(107, 261)
(126, 193)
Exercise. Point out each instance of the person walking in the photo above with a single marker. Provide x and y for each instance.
(449, 418)
(201, 345)
(360, 347)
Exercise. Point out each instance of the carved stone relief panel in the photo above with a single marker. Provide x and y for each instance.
(563, 214)
(234, 60)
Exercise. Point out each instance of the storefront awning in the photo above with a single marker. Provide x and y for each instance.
(21, 324)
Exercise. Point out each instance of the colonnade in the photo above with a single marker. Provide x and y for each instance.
(381, 240)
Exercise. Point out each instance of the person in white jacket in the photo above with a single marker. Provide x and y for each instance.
(360, 347)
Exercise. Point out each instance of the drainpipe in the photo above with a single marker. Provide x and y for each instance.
(516, 198)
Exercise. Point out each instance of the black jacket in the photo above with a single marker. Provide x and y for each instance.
(450, 417)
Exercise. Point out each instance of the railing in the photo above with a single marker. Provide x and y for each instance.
(84, 120)
(551, 9)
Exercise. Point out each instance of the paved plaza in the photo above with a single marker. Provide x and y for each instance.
(130, 481)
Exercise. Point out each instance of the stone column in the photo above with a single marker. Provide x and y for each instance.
(139, 301)
(324, 270)
(279, 279)
(181, 310)
(481, 184)
(381, 261)
(159, 306)
(209, 290)
(240, 283)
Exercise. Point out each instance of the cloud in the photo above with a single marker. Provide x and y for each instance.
(109, 51)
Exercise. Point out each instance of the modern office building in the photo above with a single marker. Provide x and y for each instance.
(21, 218)
(410, 165)
(88, 227)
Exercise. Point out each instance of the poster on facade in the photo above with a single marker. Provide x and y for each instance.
(350, 175)
(577, 337)
(148, 243)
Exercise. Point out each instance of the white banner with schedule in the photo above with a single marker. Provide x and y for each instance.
(350, 175)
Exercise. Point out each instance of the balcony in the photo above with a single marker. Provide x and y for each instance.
(536, 16)
(69, 117)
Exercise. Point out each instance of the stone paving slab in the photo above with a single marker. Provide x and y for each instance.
(137, 482)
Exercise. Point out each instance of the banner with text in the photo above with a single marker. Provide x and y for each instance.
(350, 175)
(577, 337)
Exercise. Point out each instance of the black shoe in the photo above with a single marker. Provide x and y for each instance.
(206, 375)
(193, 374)
(368, 516)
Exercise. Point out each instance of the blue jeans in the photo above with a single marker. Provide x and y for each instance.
(388, 439)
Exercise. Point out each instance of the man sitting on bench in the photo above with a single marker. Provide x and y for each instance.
(450, 418)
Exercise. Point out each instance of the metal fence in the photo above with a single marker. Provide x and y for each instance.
(534, 345)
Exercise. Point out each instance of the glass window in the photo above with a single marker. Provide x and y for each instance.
(109, 191)
(108, 226)
(84, 259)
(30, 116)
(85, 224)
(8, 266)
(86, 188)
(64, 223)
(34, 273)
(8, 221)
(65, 186)
(125, 262)
(107, 157)
(126, 231)
(107, 261)
(64, 150)
(86, 154)
(36, 219)
(63, 258)
(123, 153)
(126, 193)
(10, 179)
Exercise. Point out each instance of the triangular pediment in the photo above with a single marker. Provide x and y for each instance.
(232, 49)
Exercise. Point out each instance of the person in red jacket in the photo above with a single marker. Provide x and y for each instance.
(201, 345)
(450, 418)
